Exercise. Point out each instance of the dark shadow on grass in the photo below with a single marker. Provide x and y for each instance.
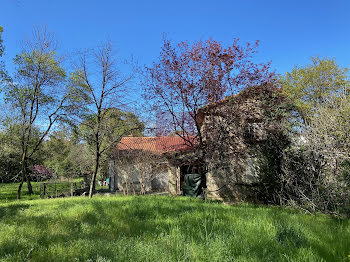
(12, 210)
(288, 233)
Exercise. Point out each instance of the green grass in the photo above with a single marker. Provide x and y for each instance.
(8, 191)
(161, 228)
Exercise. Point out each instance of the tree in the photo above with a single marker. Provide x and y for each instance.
(187, 77)
(315, 85)
(36, 93)
(98, 85)
(60, 154)
(10, 150)
(321, 93)
(315, 173)
(9, 154)
(114, 126)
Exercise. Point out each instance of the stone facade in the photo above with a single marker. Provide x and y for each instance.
(141, 165)
(235, 131)
(174, 179)
(135, 175)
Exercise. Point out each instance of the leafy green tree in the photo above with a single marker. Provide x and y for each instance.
(66, 155)
(36, 94)
(10, 151)
(115, 125)
(9, 156)
(58, 152)
(315, 85)
(321, 93)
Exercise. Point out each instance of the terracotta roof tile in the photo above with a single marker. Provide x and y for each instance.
(158, 145)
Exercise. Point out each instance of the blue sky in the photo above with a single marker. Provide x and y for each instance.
(290, 31)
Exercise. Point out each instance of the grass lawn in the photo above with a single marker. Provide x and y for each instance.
(8, 191)
(161, 228)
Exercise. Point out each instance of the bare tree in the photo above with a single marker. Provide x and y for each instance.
(98, 86)
(316, 168)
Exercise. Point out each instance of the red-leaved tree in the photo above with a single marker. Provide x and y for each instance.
(187, 77)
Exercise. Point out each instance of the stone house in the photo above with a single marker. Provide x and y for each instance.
(235, 133)
(141, 164)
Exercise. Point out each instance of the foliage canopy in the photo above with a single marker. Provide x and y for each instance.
(313, 86)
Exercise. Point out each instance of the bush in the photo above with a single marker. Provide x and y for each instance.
(306, 179)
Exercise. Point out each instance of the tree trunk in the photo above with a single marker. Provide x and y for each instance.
(29, 184)
(94, 174)
(19, 190)
(25, 177)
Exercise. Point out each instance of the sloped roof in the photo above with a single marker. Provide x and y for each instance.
(252, 91)
(157, 145)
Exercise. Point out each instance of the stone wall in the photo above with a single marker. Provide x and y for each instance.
(173, 177)
(234, 131)
(139, 176)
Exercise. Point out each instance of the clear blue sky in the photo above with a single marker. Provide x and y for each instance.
(290, 31)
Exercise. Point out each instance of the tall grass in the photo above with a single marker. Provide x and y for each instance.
(160, 228)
